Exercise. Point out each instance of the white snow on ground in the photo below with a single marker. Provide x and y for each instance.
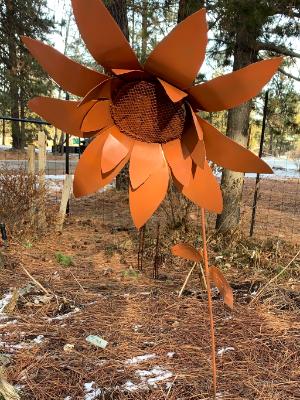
(91, 391)
(4, 301)
(139, 359)
(224, 350)
(148, 379)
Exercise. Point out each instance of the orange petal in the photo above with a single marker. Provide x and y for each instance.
(204, 190)
(88, 177)
(64, 115)
(102, 91)
(192, 139)
(179, 160)
(229, 154)
(98, 117)
(116, 148)
(220, 281)
(178, 58)
(67, 73)
(145, 200)
(174, 94)
(186, 251)
(146, 159)
(102, 35)
(233, 89)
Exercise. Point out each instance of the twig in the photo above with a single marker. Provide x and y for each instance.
(274, 278)
(37, 283)
(187, 279)
(80, 285)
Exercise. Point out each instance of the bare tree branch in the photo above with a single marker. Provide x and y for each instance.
(277, 49)
(288, 74)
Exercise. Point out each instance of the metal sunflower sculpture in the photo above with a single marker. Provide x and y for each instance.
(147, 115)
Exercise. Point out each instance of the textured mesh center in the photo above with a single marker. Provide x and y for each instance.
(143, 111)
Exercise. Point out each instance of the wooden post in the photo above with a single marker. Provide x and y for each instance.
(31, 159)
(41, 171)
(42, 157)
(67, 188)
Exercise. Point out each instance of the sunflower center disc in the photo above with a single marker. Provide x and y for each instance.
(143, 111)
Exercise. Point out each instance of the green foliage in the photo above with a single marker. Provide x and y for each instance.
(64, 260)
(130, 273)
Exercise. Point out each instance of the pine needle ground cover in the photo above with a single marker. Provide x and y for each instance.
(158, 344)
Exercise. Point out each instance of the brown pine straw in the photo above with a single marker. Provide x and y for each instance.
(210, 310)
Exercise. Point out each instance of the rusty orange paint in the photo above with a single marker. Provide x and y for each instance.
(174, 93)
(63, 114)
(98, 117)
(146, 159)
(233, 89)
(221, 283)
(229, 154)
(188, 252)
(145, 199)
(68, 74)
(179, 160)
(102, 35)
(179, 56)
(115, 149)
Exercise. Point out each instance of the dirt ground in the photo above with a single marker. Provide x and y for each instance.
(157, 344)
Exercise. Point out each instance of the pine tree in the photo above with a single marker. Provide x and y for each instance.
(21, 78)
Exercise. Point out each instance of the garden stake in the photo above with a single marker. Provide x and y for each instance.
(210, 309)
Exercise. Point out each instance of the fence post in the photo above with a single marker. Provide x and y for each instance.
(67, 188)
(41, 170)
(31, 159)
(261, 146)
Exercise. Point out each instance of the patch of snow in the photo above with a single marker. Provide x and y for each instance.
(12, 322)
(39, 339)
(68, 398)
(224, 350)
(139, 359)
(4, 301)
(171, 354)
(91, 391)
(136, 328)
(64, 316)
(153, 376)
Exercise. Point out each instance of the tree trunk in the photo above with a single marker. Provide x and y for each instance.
(188, 7)
(17, 139)
(118, 9)
(238, 130)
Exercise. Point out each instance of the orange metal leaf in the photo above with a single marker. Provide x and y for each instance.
(102, 35)
(67, 73)
(98, 117)
(204, 190)
(145, 200)
(192, 139)
(102, 91)
(233, 89)
(116, 148)
(229, 154)
(179, 160)
(88, 178)
(145, 160)
(220, 281)
(174, 94)
(64, 115)
(178, 58)
(185, 250)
